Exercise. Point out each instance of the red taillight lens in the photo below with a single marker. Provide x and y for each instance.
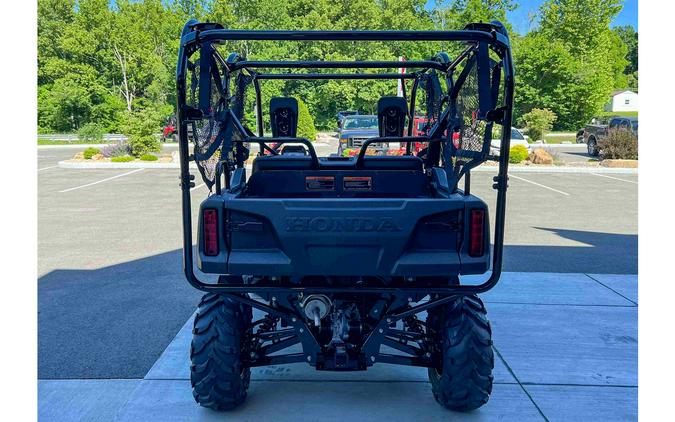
(476, 233)
(210, 218)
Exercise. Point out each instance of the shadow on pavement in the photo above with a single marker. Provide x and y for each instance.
(600, 253)
(114, 322)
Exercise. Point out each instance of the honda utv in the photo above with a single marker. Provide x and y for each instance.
(348, 262)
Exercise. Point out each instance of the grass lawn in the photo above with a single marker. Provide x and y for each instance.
(78, 142)
(560, 137)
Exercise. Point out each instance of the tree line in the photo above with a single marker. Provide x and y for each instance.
(110, 64)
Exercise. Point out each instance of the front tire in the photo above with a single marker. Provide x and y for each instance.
(592, 147)
(219, 380)
(463, 380)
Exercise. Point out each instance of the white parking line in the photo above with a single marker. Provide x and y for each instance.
(47, 168)
(540, 185)
(615, 178)
(197, 187)
(101, 181)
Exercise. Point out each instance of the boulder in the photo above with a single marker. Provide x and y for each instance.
(540, 156)
(79, 156)
(97, 157)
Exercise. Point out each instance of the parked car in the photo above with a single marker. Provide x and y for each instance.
(354, 131)
(517, 138)
(342, 114)
(598, 130)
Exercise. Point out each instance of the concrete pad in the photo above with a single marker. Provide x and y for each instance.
(624, 284)
(550, 344)
(325, 401)
(563, 403)
(552, 289)
(174, 364)
(82, 400)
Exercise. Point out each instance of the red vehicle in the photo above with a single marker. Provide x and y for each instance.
(170, 131)
(421, 126)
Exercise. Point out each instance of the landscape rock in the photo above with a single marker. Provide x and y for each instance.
(79, 156)
(540, 156)
(97, 157)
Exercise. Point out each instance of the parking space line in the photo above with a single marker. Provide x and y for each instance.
(197, 187)
(615, 178)
(47, 168)
(540, 185)
(101, 181)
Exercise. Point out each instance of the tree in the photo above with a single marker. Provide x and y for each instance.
(538, 122)
(571, 62)
(630, 38)
(306, 127)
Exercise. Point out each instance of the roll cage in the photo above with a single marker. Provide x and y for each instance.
(210, 92)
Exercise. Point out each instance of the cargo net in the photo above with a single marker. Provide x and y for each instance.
(472, 134)
(214, 133)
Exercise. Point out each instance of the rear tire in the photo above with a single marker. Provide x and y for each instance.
(174, 138)
(464, 380)
(219, 381)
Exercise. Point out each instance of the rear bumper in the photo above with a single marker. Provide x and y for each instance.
(343, 237)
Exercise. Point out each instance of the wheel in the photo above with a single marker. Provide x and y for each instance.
(463, 379)
(174, 137)
(219, 381)
(592, 147)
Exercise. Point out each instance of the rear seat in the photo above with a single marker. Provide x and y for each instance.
(371, 162)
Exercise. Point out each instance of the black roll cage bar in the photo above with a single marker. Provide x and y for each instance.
(196, 34)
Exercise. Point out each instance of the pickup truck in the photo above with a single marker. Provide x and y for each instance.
(598, 130)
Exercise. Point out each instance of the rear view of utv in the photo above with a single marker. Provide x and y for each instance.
(342, 262)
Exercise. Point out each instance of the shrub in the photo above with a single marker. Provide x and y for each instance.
(538, 122)
(141, 128)
(90, 152)
(306, 128)
(91, 132)
(517, 154)
(148, 157)
(122, 159)
(116, 150)
(620, 144)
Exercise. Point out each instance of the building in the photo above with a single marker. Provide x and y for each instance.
(623, 100)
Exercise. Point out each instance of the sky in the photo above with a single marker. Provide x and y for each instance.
(520, 18)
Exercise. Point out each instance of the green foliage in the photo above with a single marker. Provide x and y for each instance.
(148, 157)
(90, 152)
(619, 144)
(571, 62)
(141, 127)
(538, 122)
(101, 61)
(122, 159)
(306, 127)
(91, 132)
(517, 154)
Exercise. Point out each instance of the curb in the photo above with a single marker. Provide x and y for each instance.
(482, 169)
(109, 165)
(72, 146)
(577, 170)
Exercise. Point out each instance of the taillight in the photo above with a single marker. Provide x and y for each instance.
(476, 233)
(210, 235)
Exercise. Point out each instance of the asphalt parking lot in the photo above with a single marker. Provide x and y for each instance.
(113, 304)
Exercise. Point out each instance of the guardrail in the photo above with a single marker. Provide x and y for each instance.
(72, 137)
